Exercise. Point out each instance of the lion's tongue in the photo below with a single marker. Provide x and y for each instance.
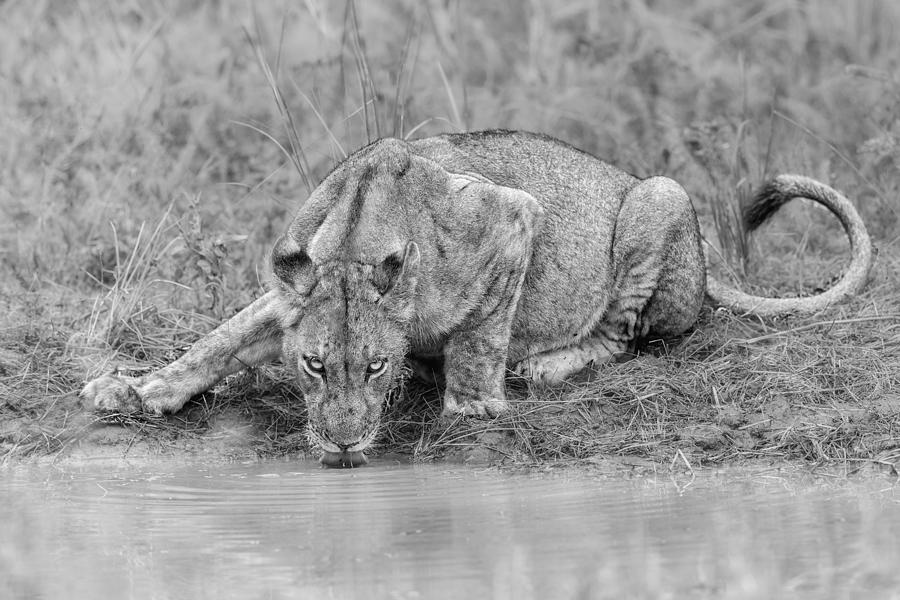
(343, 459)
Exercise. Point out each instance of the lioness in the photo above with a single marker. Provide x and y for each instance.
(495, 250)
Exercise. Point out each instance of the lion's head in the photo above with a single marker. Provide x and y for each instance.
(350, 268)
(348, 348)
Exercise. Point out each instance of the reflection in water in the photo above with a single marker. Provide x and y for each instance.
(293, 530)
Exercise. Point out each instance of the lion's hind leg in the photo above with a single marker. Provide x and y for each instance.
(659, 282)
(555, 365)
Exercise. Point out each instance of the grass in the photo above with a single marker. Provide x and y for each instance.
(153, 153)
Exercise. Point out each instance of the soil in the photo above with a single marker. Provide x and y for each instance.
(732, 436)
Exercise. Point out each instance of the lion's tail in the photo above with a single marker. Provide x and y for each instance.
(770, 198)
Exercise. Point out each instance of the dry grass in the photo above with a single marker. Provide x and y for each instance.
(152, 154)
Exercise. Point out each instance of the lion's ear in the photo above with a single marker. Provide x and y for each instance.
(397, 274)
(292, 265)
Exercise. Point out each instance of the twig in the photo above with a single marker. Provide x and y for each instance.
(830, 323)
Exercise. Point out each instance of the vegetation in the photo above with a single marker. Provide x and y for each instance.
(151, 154)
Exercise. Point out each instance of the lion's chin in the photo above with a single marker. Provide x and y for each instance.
(344, 460)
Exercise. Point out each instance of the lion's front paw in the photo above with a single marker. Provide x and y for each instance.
(111, 393)
(120, 394)
(482, 407)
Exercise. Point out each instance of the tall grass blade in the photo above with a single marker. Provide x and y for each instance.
(296, 154)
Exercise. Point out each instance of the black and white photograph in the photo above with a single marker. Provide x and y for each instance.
(414, 299)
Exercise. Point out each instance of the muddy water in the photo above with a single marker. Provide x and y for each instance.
(293, 530)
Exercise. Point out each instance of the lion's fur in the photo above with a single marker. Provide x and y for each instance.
(494, 250)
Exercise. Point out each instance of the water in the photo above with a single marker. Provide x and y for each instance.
(274, 530)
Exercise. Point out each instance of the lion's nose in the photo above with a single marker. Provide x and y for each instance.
(343, 439)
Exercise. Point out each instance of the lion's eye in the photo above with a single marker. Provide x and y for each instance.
(314, 365)
(375, 367)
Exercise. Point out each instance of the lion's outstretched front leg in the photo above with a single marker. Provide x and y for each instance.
(251, 337)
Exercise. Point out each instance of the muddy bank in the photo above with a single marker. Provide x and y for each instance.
(733, 390)
(599, 433)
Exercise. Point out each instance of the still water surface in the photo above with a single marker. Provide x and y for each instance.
(273, 530)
